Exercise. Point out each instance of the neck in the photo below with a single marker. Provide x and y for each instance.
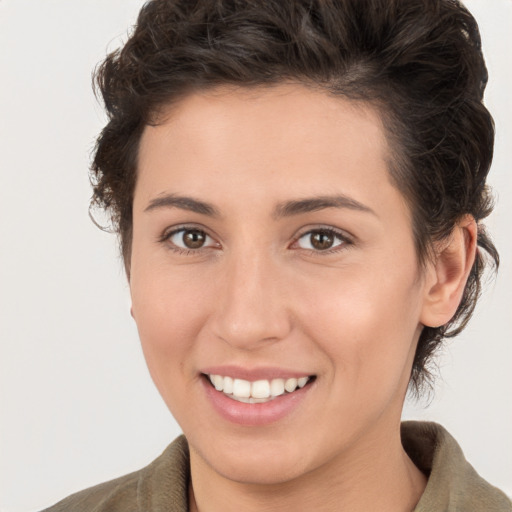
(380, 472)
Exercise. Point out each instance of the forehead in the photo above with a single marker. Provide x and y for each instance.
(258, 133)
(266, 110)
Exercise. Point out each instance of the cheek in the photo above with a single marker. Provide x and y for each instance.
(168, 319)
(365, 323)
(164, 302)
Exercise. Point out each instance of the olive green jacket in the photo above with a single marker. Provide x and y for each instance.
(453, 485)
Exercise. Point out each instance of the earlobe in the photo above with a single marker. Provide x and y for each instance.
(449, 272)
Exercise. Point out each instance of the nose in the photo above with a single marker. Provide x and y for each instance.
(252, 308)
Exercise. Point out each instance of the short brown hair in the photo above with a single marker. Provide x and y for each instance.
(419, 62)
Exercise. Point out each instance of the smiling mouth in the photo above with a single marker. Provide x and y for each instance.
(259, 391)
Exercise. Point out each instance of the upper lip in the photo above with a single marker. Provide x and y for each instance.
(254, 374)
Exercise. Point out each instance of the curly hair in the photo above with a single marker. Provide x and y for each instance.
(418, 62)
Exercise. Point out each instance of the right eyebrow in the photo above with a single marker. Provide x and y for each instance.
(184, 203)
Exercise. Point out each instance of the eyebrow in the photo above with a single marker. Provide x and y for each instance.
(285, 209)
(184, 203)
(314, 204)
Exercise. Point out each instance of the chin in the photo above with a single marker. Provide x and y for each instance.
(255, 462)
(273, 470)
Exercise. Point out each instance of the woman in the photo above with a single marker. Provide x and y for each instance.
(299, 190)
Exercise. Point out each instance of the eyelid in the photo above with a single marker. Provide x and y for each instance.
(168, 233)
(346, 239)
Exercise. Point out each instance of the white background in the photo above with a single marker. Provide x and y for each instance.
(77, 405)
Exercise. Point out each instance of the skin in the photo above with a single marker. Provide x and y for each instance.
(257, 294)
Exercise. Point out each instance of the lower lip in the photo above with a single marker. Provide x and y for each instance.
(254, 414)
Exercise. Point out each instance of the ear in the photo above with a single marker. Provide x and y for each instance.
(448, 274)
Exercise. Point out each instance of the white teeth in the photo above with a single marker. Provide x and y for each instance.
(249, 400)
(277, 387)
(300, 382)
(218, 382)
(241, 388)
(228, 385)
(290, 385)
(258, 391)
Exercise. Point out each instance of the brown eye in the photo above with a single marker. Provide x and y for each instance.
(320, 240)
(194, 239)
(190, 239)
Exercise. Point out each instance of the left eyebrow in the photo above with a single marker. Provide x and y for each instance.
(313, 204)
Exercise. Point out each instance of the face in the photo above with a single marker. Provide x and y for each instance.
(271, 251)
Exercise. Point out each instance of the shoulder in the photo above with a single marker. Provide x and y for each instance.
(453, 484)
(115, 495)
(165, 480)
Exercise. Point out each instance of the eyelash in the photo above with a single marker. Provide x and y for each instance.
(166, 239)
(344, 240)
